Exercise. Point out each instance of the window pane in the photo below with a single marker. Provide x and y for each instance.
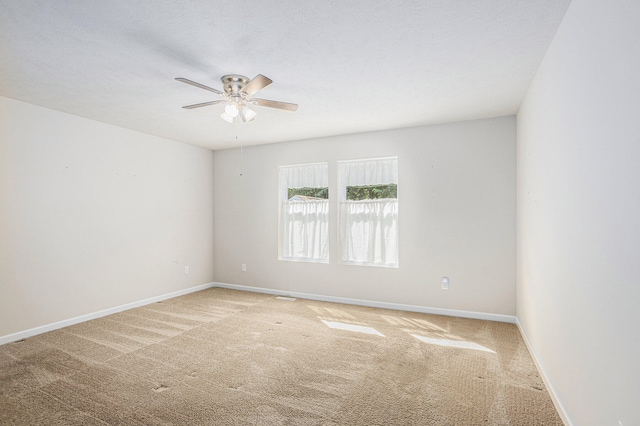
(372, 192)
(320, 193)
(368, 191)
(304, 212)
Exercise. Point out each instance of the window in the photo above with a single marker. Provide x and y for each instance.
(304, 212)
(369, 211)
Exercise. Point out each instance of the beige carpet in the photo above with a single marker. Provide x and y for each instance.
(224, 357)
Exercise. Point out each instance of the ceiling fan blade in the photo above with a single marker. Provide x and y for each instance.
(258, 82)
(202, 86)
(274, 104)
(204, 104)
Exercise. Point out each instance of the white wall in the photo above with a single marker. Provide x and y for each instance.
(578, 161)
(456, 217)
(94, 216)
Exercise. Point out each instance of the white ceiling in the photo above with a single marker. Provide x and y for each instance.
(351, 65)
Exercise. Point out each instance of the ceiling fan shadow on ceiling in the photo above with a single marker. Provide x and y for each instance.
(237, 93)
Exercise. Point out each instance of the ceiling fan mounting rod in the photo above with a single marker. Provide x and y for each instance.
(233, 84)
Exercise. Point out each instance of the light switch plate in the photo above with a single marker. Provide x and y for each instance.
(445, 283)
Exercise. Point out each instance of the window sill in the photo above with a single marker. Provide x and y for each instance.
(377, 265)
(298, 259)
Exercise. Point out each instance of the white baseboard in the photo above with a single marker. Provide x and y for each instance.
(71, 321)
(385, 305)
(562, 411)
(375, 304)
(401, 307)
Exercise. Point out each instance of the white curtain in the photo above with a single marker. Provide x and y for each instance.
(305, 230)
(370, 232)
(314, 175)
(373, 171)
(369, 228)
(304, 225)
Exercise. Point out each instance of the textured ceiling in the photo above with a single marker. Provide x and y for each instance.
(352, 66)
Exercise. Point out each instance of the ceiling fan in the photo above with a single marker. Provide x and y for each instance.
(237, 96)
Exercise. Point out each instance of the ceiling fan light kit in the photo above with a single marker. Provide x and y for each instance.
(237, 97)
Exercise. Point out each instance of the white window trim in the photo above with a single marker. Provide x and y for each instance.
(283, 191)
(342, 191)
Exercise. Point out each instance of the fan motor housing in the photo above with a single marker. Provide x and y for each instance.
(233, 83)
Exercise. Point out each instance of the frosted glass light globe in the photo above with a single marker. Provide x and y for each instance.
(231, 110)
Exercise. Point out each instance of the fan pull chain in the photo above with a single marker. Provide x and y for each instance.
(241, 158)
(241, 153)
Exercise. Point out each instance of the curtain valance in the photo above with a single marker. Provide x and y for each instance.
(315, 175)
(373, 171)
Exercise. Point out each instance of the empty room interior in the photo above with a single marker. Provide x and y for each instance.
(414, 212)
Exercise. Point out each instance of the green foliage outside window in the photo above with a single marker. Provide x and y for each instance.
(369, 192)
(372, 192)
(309, 192)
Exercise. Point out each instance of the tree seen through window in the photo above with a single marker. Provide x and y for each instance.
(309, 192)
(372, 192)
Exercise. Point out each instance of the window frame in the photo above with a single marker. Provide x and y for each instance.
(342, 201)
(284, 198)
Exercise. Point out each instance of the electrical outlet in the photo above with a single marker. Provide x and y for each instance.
(244, 267)
(186, 270)
(445, 283)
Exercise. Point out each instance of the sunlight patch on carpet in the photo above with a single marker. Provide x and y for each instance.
(352, 327)
(453, 343)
